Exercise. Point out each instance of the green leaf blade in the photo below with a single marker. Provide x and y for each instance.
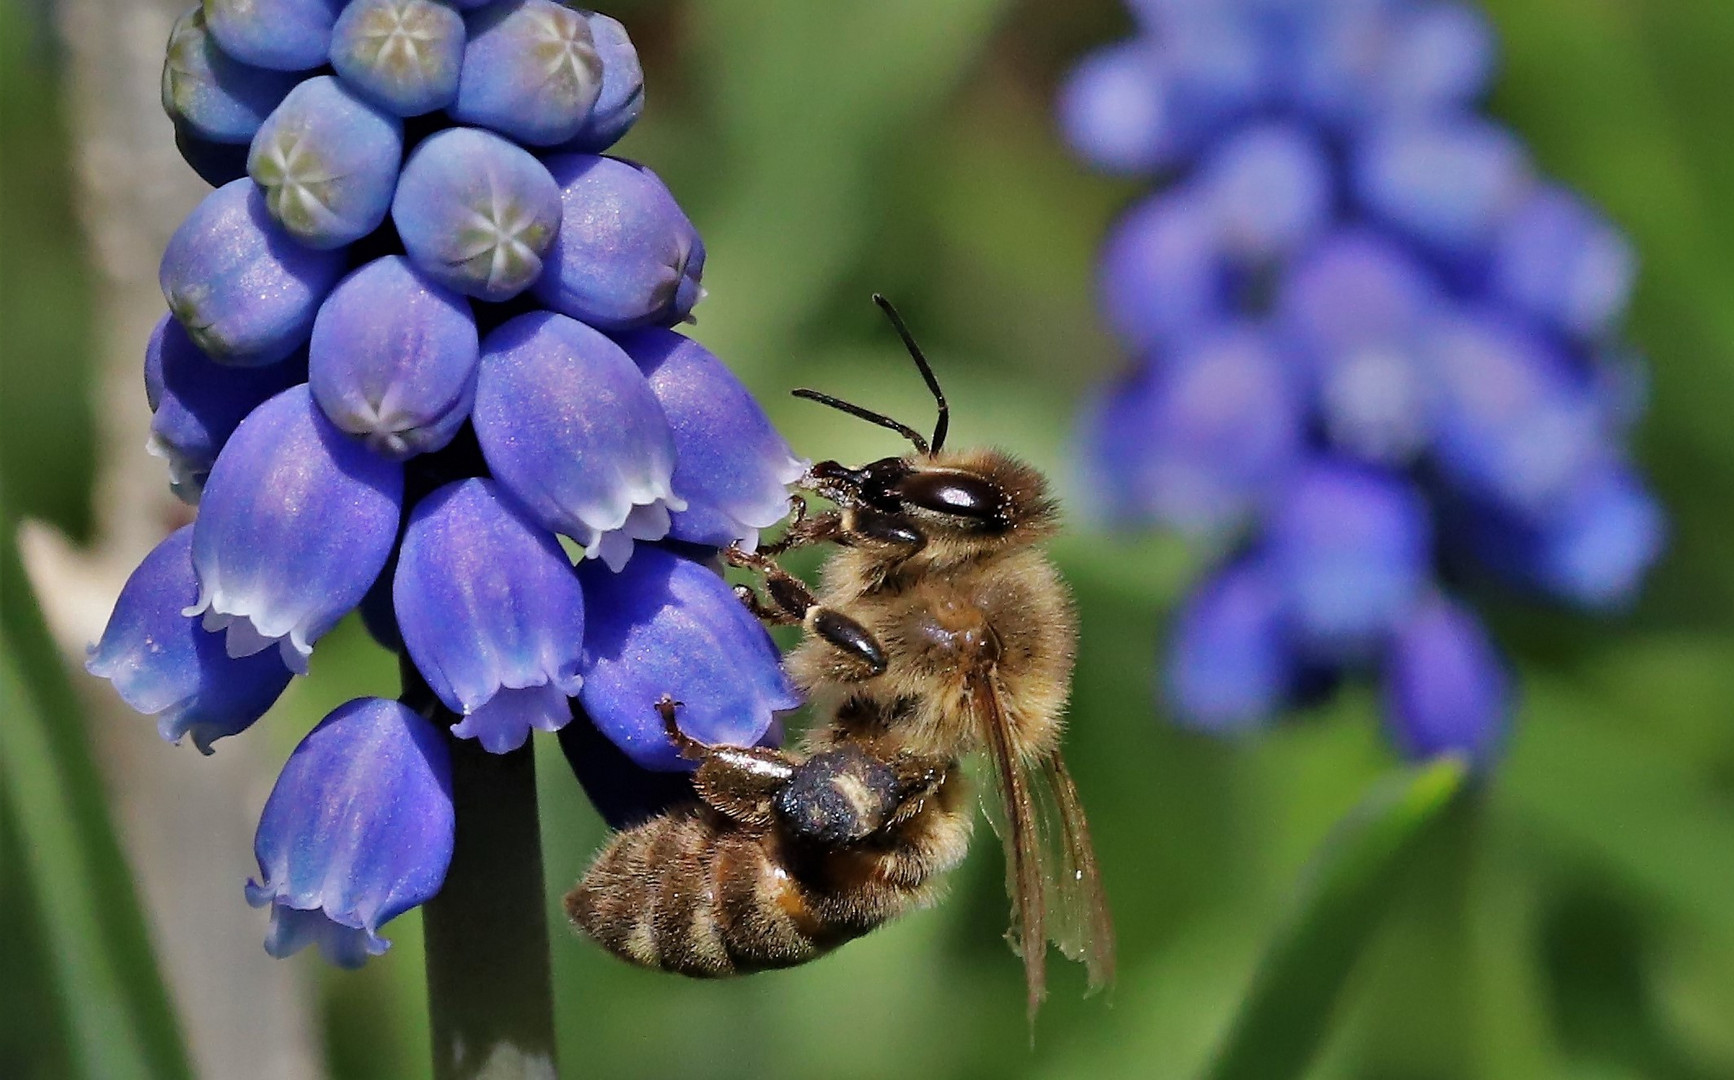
(1350, 885)
(113, 1003)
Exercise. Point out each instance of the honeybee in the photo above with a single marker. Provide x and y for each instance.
(941, 633)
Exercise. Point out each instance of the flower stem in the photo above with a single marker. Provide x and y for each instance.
(490, 998)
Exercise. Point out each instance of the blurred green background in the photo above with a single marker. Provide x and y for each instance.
(1574, 917)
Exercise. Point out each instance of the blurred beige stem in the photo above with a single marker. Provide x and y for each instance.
(186, 823)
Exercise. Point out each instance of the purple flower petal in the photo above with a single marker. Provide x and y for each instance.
(1562, 262)
(286, 35)
(1229, 664)
(327, 161)
(1270, 188)
(626, 255)
(1350, 549)
(1359, 308)
(1440, 57)
(243, 288)
(476, 213)
(393, 358)
(1592, 550)
(1598, 549)
(731, 466)
(1164, 272)
(358, 830)
(1446, 690)
(1446, 183)
(1218, 68)
(296, 522)
(1517, 424)
(1199, 443)
(491, 612)
(622, 97)
(403, 55)
(530, 70)
(211, 95)
(196, 403)
(161, 662)
(1115, 109)
(667, 625)
(571, 430)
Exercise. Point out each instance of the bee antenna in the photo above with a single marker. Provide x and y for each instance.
(866, 414)
(915, 353)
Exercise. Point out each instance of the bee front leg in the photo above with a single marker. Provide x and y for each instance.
(739, 782)
(803, 530)
(892, 535)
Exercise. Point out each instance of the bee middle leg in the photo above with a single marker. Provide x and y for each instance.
(789, 602)
(787, 598)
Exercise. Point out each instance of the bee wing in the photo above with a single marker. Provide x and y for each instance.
(1051, 872)
(1077, 905)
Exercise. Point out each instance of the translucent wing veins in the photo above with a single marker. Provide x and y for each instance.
(1052, 876)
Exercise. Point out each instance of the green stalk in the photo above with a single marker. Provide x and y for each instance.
(490, 996)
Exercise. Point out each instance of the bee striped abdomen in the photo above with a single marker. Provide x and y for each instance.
(688, 893)
(693, 893)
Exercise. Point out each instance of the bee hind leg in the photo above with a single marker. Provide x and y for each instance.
(739, 782)
(842, 796)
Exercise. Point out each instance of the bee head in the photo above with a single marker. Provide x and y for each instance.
(982, 493)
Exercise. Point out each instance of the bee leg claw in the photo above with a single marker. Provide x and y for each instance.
(737, 556)
(688, 746)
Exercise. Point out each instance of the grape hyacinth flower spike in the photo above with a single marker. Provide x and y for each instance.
(1438, 416)
(386, 380)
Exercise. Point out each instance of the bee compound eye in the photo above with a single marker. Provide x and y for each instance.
(958, 494)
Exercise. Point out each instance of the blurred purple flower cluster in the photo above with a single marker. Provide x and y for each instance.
(1375, 354)
(419, 332)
